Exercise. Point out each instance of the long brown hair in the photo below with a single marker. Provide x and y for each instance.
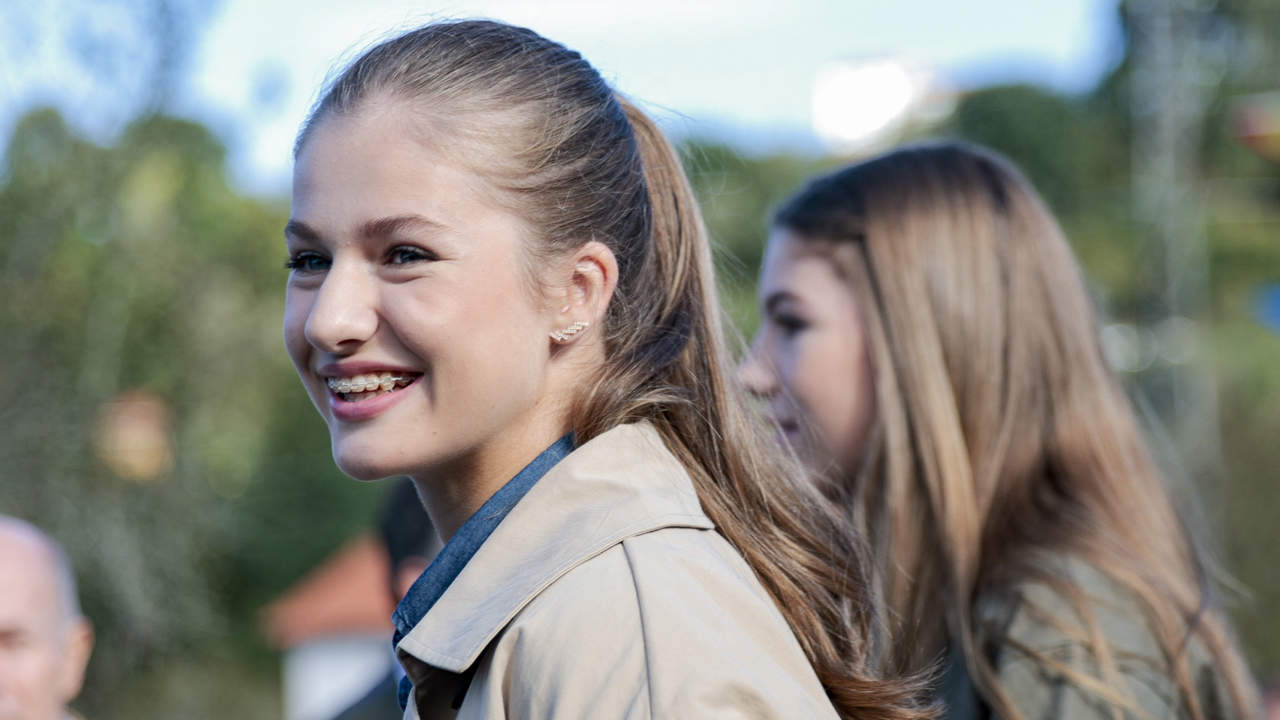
(1003, 440)
(578, 162)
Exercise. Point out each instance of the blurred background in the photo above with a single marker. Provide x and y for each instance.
(154, 425)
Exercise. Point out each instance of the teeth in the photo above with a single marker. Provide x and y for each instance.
(366, 382)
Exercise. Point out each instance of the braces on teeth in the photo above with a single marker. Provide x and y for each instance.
(367, 383)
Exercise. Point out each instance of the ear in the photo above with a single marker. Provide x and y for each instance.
(78, 648)
(592, 276)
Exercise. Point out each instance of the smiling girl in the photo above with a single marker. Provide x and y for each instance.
(501, 287)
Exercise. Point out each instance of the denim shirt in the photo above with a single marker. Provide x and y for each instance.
(455, 555)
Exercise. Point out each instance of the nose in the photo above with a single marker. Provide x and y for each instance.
(756, 373)
(344, 312)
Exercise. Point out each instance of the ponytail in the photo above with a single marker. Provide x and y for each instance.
(803, 551)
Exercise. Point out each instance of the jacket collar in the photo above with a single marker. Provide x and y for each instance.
(620, 484)
(469, 538)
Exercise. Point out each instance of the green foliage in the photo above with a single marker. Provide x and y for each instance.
(1043, 133)
(137, 268)
(737, 193)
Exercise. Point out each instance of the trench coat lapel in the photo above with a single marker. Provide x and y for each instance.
(620, 484)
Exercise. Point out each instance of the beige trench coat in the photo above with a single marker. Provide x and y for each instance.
(607, 593)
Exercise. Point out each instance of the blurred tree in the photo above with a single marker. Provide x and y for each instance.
(1218, 51)
(1044, 133)
(153, 424)
(136, 272)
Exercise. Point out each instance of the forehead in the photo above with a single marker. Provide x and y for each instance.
(384, 159)
(28, 586)
(799, 267)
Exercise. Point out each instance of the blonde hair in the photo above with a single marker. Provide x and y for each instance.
(578, 163)
(1003, 439)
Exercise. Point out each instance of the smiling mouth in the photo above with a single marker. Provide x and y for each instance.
(358, 388)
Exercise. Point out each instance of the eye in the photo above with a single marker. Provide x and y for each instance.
(405, 254)
(790, 325)
(307, 261)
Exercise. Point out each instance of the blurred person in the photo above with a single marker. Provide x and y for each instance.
(500, 286)
(928, 346)
(406, 534)
(45, 642)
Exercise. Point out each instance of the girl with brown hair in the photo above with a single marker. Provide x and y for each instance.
(928, 346)
(501, 287)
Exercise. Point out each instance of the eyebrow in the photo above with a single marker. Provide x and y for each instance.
(300, 230)
(382, 227)
(377, 228)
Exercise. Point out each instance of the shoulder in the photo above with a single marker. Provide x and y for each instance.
(1048, 616)
(670, 621)
(574, 650)
(690, 577)
(1045, 647)
(585, 610)
(668, 575)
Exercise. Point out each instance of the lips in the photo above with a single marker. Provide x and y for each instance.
(363, 390)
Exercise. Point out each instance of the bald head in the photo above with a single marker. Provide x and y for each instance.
(26, 541)
(44, 641)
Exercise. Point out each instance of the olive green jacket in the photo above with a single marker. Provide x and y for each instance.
(1042, 621)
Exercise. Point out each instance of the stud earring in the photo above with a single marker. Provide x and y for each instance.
(570, 332)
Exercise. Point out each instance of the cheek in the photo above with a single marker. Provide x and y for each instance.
(297, 306)
(33, 669)
(471, 338)
(817, 377)
(830, 380)
(850, 403)
(787, 361)
(506, 344)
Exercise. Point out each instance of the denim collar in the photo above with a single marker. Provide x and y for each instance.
(456, 553)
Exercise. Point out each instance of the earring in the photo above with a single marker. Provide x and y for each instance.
(570, 332)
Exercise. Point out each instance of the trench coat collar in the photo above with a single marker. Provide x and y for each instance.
(620, 484)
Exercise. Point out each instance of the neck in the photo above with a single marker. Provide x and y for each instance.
(454, 490)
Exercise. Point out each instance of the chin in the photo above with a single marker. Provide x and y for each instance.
(363, 464)
(363, 473)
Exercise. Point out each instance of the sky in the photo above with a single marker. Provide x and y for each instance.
(741, 70)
